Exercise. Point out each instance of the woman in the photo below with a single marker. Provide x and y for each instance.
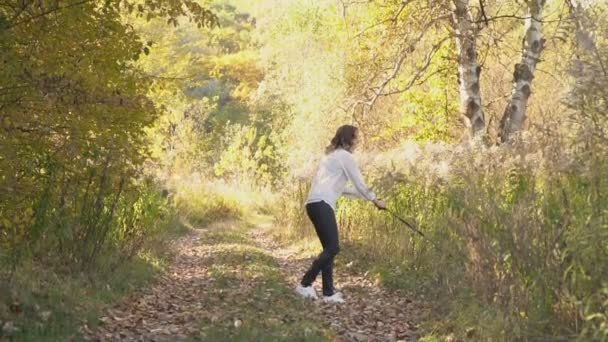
(335, 170)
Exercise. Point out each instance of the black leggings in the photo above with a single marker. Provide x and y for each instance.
(324, 220)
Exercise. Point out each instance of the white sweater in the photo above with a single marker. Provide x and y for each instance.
(329, 183)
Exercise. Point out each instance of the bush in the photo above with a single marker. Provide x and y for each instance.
(43, 297)
(79, 216)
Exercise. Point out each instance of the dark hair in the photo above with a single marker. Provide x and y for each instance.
(343, 139)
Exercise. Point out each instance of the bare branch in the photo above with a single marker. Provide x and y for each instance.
(483, 12)
(393, 19)
(510, 16)
(377, 91)
(420, 71)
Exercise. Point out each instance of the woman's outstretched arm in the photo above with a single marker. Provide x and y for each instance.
(351, 192)
(354, 176)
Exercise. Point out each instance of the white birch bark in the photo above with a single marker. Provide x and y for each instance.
(515, 114)
(465, 32)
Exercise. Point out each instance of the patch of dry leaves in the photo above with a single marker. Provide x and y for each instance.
(187, 297)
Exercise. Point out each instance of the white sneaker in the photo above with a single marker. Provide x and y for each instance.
(306, 292)
(336, 298)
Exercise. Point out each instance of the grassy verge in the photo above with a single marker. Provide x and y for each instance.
(44, 304)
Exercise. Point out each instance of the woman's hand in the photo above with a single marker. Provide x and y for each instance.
(379, 204)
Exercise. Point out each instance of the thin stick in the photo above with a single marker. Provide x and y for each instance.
(410, 226)
(413, 228)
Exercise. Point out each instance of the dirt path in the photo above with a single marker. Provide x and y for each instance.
(230, 282)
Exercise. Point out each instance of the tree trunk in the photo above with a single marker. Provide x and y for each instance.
(515, 113)
(465, 33)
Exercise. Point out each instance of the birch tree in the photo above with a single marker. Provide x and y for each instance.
(465, 33)
(515, 113)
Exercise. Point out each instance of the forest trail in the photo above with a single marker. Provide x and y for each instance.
(231, 282)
